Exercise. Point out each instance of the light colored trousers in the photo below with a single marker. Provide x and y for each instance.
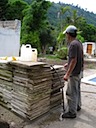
(74, 93)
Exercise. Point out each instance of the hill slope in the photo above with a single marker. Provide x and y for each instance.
(55, 8)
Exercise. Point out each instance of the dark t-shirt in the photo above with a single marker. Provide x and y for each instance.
(76, 50)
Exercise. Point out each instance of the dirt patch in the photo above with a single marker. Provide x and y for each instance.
(87, 64)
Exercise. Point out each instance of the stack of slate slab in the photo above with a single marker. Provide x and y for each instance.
(5, 84)
(57, 84)
(31, 89)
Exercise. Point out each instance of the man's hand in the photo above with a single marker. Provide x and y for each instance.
(66, 77)
(70, 68)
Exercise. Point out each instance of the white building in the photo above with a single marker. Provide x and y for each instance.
(89, 48)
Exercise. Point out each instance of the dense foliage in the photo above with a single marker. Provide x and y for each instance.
(3, 9)
(62, 53)
(15, 9)
(55, 8)
(35, 23)
(43, 22)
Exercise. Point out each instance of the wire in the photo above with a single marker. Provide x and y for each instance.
(62, 85)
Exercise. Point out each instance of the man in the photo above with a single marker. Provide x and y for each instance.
(73, 72)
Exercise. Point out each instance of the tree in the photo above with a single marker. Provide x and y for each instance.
(46, 39)
(75, 18)
(62, 12)
(60, 39)
(89, 32)
(3, 9)
(15, 9)
(34, 21)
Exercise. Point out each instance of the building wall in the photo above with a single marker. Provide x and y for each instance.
(85, 47)
(10, 38)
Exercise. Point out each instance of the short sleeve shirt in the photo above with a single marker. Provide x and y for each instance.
(76, 51)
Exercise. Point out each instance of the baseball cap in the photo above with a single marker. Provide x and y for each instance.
(70, 29)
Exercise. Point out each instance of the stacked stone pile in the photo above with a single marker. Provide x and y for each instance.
(5, 84)
(30, 89)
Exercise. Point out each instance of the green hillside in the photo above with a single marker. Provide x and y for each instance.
(55, 8)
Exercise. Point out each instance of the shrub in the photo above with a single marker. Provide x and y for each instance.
(62, 53)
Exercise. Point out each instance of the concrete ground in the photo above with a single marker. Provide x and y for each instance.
(86, 118)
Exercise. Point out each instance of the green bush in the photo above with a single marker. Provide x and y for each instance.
(62, 53)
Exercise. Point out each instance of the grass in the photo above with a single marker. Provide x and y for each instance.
(52, 57)
(91, 66)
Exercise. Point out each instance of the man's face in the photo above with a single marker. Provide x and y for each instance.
(67, 38)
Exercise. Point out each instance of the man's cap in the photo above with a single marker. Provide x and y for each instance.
(70, 29)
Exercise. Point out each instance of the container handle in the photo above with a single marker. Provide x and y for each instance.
(28, 46)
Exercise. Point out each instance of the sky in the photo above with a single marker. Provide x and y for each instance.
(90, 5)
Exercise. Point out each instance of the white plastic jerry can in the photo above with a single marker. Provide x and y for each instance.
(26, 53)
(34, 55)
